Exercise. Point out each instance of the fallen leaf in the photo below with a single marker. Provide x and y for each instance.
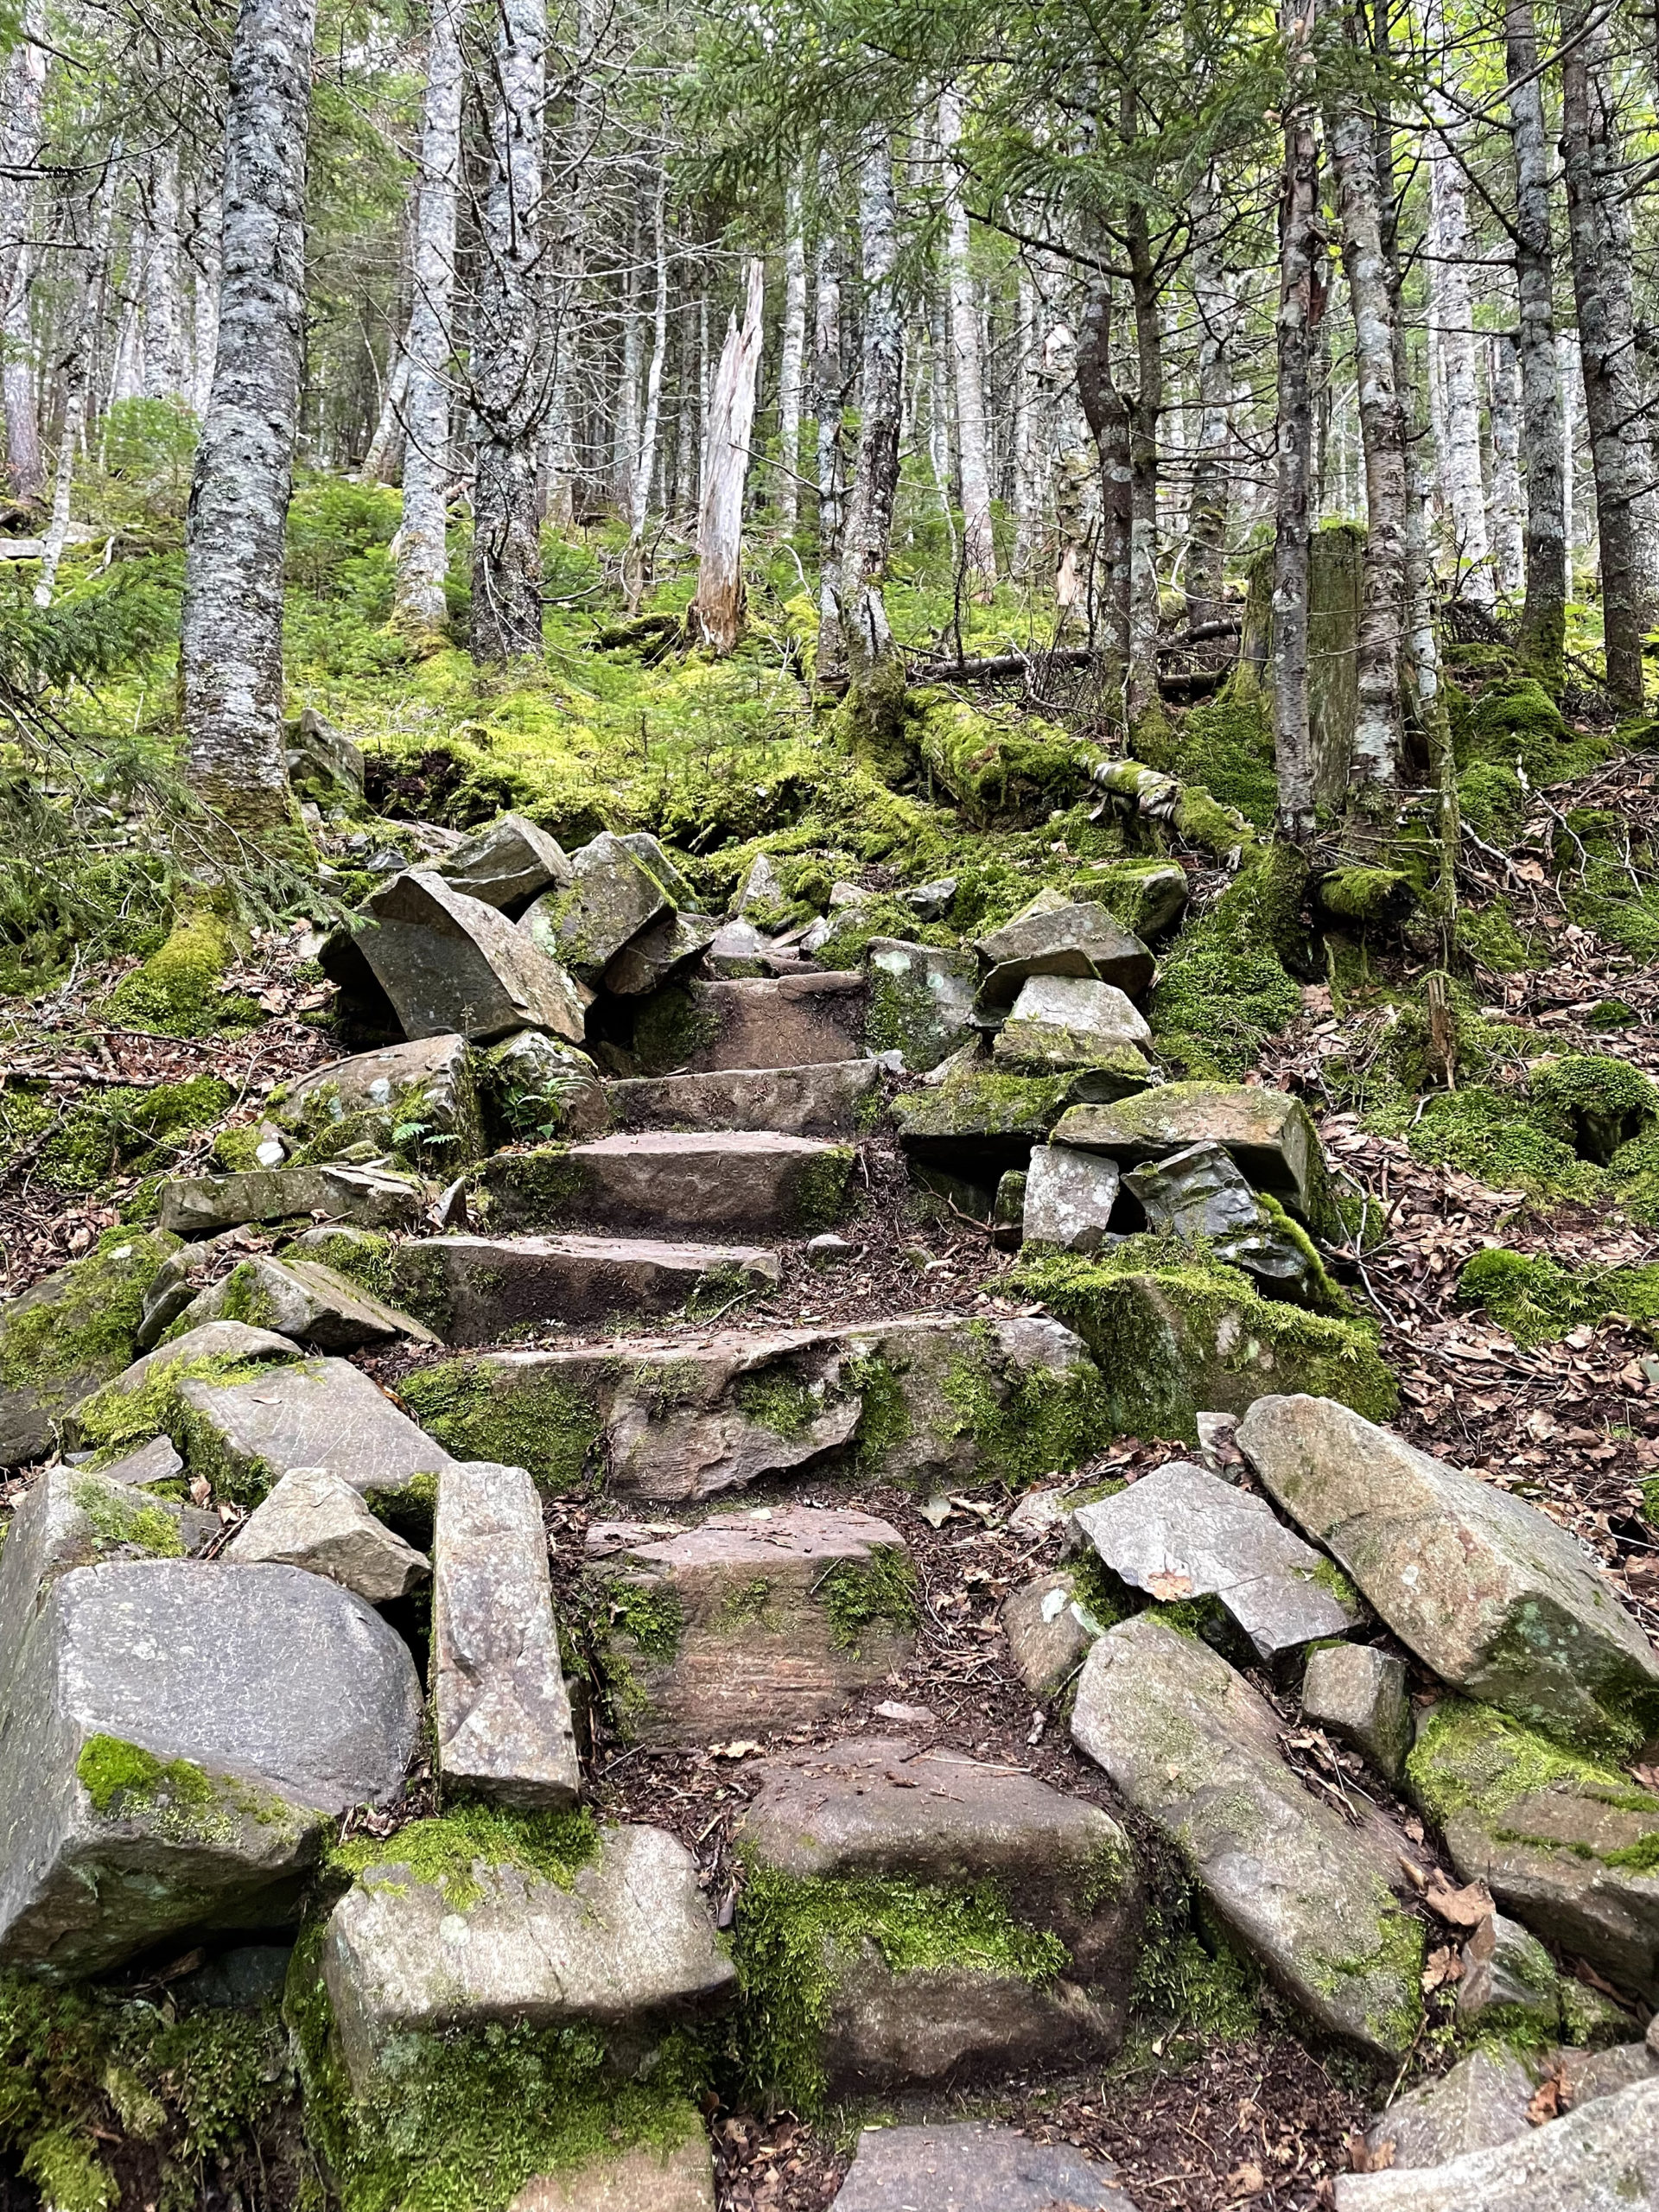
(1166, 1587)
(1247, 2180)
(1546, 2102)
(1464, 1908)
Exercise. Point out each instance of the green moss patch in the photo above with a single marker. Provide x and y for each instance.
(178, 991)
(479, 1411)
(1469, 1758)
(123, 1517)
(445, 1852)
(1027, 1422)
(1224, 988)
(879, 1593)
(1537, 1300)
(81, 1324)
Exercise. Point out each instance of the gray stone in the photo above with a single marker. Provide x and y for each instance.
(830, 1100)
(884, 1809)
(1049, 1629)
(1268, 1133)
(181, 1279)
(971, 2165)
(1068, 1199)
(830, 1250)
(179, 1740)
(1069, 1021)
(426, 1079)
(1190, 1744)
(1481, 2103)
(1009, 1210)
(759, 886)
(321, 762)
(508, 864)
(582, 927)
(1508, 1980)
(320, 1413)
(1148, 897)
(931, 901)
(450, 963)
(976, 1122)
(1124, 1074)
(475, 1289)
(371, 1197)
(783, 1614)
(216, 1346)
(738, 949)
(61, 1338)
(627, 1950)
(653, 853)
(1604, 2157)
(315, 1520)
(1588, 2074)
(643, 2180)
(1180, 1533)
(704, 1182)
(304, 1299)
(1201, 1193)
(154, 1462)
(502, 1711)
(658, 954)
(1358, 1694)
(1486, 1591)
(237, 1980)
(541, 1086)
(1053, 935)
(921, 1000)
(768, 1021)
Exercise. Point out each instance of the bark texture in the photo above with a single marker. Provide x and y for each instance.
(423, 555)
(827, 395)
(1302, 307)
(1504, 517)
(1452, 314)
(868, 531)
(791, 359)
(24, 96)
(231, 644)
(1543, 615)
(968, 368)
(715, 618)
(643, 469)
(1107, 413)
(1220, 310)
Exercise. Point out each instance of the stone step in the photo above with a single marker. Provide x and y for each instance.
(475, 1290)
(827, 1099)
(754, 1022)
(727, 1182)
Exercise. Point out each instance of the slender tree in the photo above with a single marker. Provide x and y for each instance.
(793, 355)
(1542, 636)
(716, 619)
(1301, 303)
(827, 400)
(979, 546)
(867, 531)
(423, 552)
(1217, 297)
(24, 95)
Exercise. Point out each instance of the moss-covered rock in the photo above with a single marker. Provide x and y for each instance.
(178, 991)
(1537, 1300)
(74, 1331)
(921, 998)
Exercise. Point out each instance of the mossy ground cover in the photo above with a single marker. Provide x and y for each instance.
(1537, 1300)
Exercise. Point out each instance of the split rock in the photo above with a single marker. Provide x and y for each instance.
(449, 963)
(244, 1436)
(1508, 1981)
(427, 1079)
(1190, 1744)
(1358, 1694)
(658, 954)
(921, 1000)
(973, 2166)
(475, 1289)
(1055, 937)
(315, 1520)
(613, 897)
(1268, 1133)
(181, 1740)
(1201, 1193)
(306, 1301)
(1067, 1200)
(1601, 2157)
(1180, 1533)
(508, 864)
(503, 1712)
(1484, 1588)
(371, 1198)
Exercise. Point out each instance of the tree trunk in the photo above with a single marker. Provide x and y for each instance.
(1566, 379)
(509, 366)
(1301, 308)
(1220, 312)
(716, 619)
(869, 529)
(1451, 315)
(24, 95)
(1542, 639)
(204, 330)
(1599, 225)
(831, 459)
(624, 430)
(938, 421)
(564, 289)
(74, 371)
(422, 554)
(381, 458)
(634, 579)
(1107, 413)
(1374, 771)
(230, 642)
(1027, 431)
(164, 313)
(1144, 412)
(788, 501)
(1504, 528)
(979, 546)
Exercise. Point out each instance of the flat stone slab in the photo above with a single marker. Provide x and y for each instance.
(135, 1398)
(766, 1021)
(1268, 1133)
(658, 954)
(474, 1290)
(57, 1345)
(806, 1102)
(1190, 1744)
(978, 1120)
(315, 1520)
(645, 2180)
(425, 1079)
(1487, 1591)
(693, 1414)
(305, 1301)
(319, 1413)
(921, 1001)
(180, 1737)
(508, 864)
(752, 1622)
(1069, 1200)
(198, 1206)
(1480, 2103)
(450, 963)
(1358, 1694)
(1601, 2157)
(612, 896)
(503, 1712)
(1180, 1533)
(973, 2166)
(1055, 936)
(628, 1949)
(714, 1182)
(1061, 1022)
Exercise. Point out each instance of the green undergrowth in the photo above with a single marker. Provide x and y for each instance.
(1225, 746)
(1225, 986)
(1537, 1300)
(119, 1129)
(447, 1850)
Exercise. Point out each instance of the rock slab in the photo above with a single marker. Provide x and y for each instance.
(645, 2180)
(1268, 1133)
(1069, 1198)
(1602, 2157)
(450, 963)
(304, 1299)
(972, 2166)
(315, 1520)
(197, 1205)
(1358, 1694)
(319, 1413)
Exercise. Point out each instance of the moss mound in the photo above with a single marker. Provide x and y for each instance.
(1537, 1300)
(178, 990)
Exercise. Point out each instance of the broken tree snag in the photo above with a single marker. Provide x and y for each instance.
(715, 616)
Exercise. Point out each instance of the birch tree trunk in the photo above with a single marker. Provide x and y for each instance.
(791, 361)
(1504, 380)
(74, 371)
(1452, 313)
(1301, 305)
(423, 550)
(1541, 642)
(1028, 457)
(968, 368)
(868, 528)
(625, 435)
(509, 366)
(1142, 698)
(1107, 413)
(380, 457)
(938, 421)
(1374, 770)
(831, 665)
(715, 616)
(634, 578)
(1567, 377)
(564, 288)
(25, 95)
(230, 639)
(1599, 225)
(1220, 311)
(163, 311)
(204, 331)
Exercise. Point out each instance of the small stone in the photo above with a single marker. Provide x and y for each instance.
(921, 1000)
(737, 948)
(508, 864)
(1054, 935)
(830, 1250)
(1358, 1694)
(1200, 1193)
(426, 1079)
(1216, 1449)
(503, 1712)
(1508, 1980)
(973, 2166)
(760, 886)
(1069, 1198)
(306, 1301)
(1069, 1021)
(645, 2180)
(613, 897)
(931, 901)
(154, 1462)
(1009, 1210)
(1041, 1511)
(196, 1206)
(315, 1520)
(451, 965)
(1049, 1629)
(271, 1152)
(1480, 2103)
(1601, 2157)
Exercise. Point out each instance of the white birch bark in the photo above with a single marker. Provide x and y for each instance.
(380, 457)
(1543, 614)
(204, 321)
(938, 421)
(703, 362)
(164, 376)
(231, 645)
(1504, 382)
(566, 280)
(624, 433)
(715, 616)
(1567, 362)
(74, 371)
(1218, 299)
(1452, 317)
(24, 95)
(1029, 455)
(831, 659)
(868, 531)
(973, 460)
(644, 461)
(1302, 303)
(791, 358)
(510, 378)
(422, 553)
